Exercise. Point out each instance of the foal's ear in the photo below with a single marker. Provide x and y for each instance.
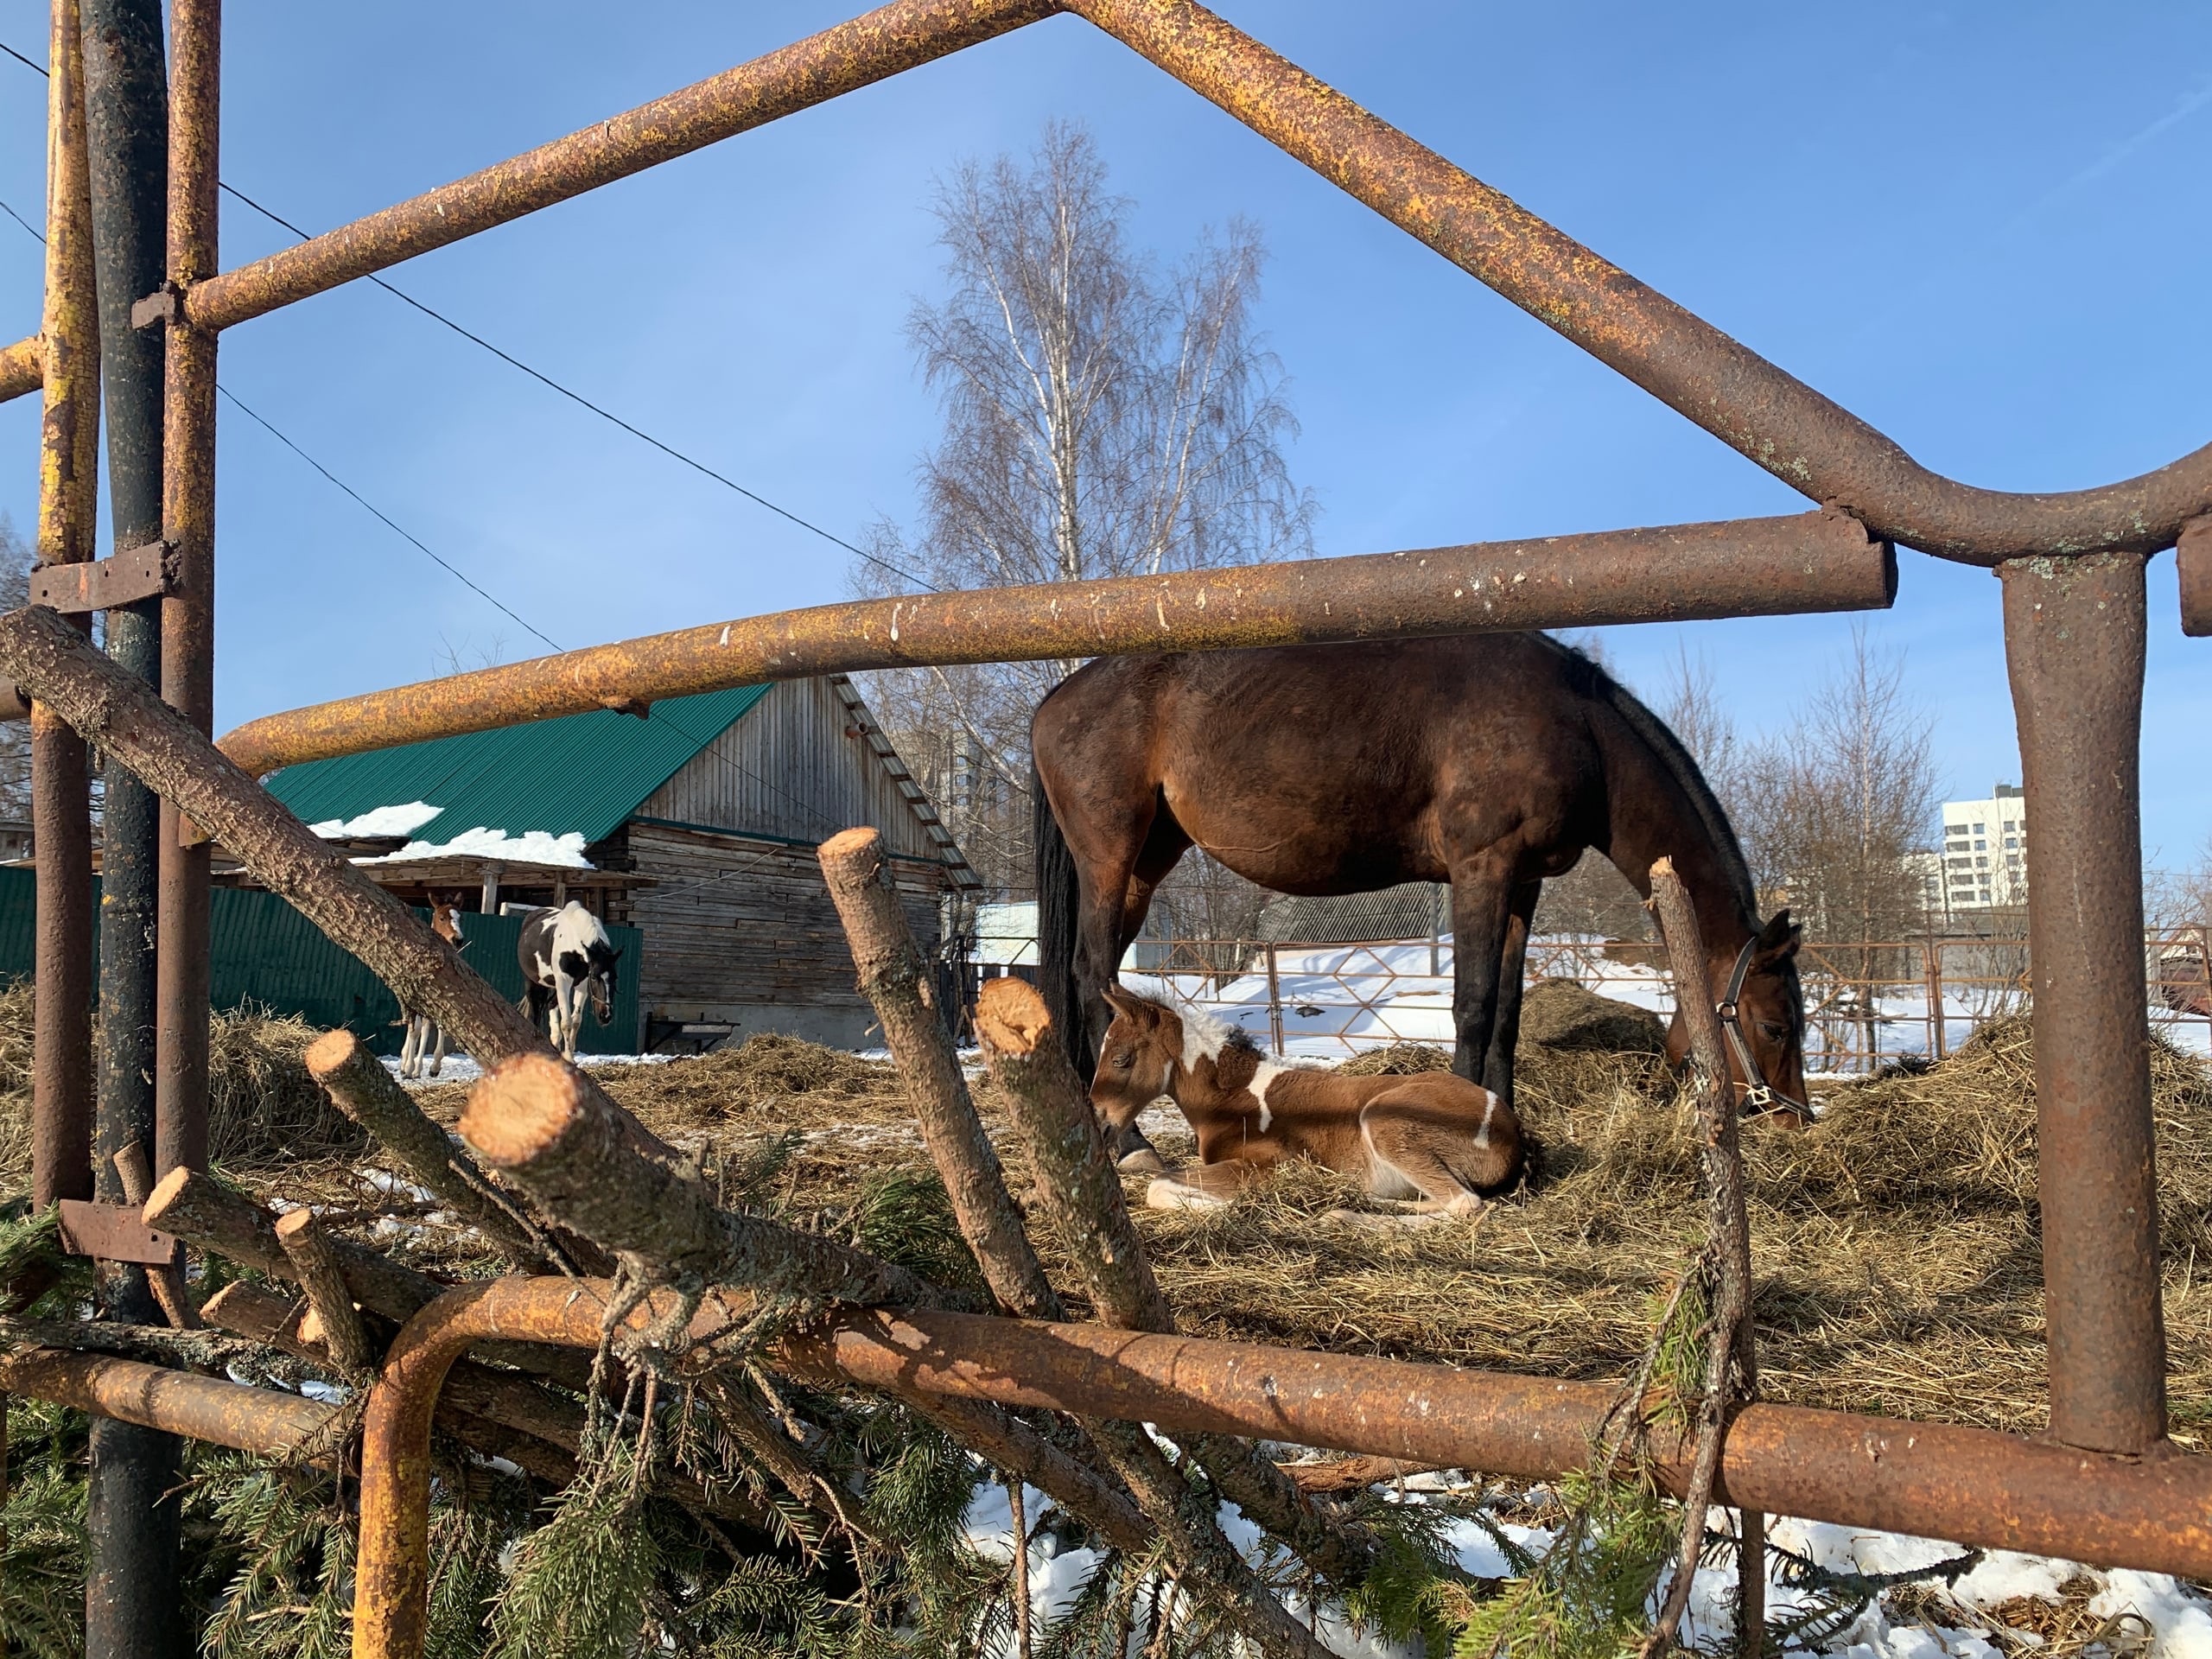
(1778, 940)
(1120, 1001)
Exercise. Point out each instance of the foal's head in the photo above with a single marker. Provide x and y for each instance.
(1137, 1060)
(1770, 1014)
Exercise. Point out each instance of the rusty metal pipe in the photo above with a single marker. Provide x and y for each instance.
(68, 511)
(2193, 562)
(22, 368)
(853, 54)
(181, 902)
(176, 1402)
(2074, 643)
(1753, 567)
(1811, 443)
(1973, 1486)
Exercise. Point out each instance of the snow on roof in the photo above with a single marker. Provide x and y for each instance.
(380, 821)
(531, 847)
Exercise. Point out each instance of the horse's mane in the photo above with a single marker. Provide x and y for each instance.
(1588, 679)
(1215, 1035)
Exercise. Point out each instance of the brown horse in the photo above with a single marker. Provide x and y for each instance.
(1489, 761)
(1435, 1138)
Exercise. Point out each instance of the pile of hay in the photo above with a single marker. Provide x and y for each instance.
(264, 1111)
(1895, 1240)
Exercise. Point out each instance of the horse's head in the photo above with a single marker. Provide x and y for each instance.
(1770, 1018)
(1136, 1060)
(601, 979)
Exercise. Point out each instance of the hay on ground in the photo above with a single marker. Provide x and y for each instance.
(264, 1110)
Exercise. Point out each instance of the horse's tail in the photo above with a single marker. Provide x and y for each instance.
(1057, 903)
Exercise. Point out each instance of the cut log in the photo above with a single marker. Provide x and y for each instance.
(534, 1120)
(1078, 1186)
(200, 1210)
(330, 1301)
(165, 1280)
(896, 982)
(360, 1087)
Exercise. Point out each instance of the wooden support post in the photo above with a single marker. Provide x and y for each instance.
(358, 1085)
(1731, 1363)
(330, 1302)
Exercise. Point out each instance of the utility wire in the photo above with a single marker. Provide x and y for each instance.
(572, 396)
(811, 812)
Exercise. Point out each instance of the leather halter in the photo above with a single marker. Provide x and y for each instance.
(1759, 1095)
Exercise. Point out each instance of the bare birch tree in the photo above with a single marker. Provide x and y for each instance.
(1101, 417)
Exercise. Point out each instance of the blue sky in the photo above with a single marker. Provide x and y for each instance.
(1982, 227)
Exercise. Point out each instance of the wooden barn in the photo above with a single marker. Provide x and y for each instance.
(695, 824)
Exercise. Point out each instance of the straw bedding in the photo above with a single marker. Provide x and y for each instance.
(1897, 1253)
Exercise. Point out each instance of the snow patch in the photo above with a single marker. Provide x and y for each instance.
(530, 847)
(383, 821)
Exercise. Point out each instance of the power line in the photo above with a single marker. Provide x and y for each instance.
(383, 517)
(575, 397)
(25, 223)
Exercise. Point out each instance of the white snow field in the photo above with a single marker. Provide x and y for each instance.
(1340, 998)
(2168, 1620)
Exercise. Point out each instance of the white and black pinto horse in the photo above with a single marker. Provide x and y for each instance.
(425, 1037)
(565, 955)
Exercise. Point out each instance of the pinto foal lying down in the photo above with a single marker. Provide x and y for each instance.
(1432, 1137)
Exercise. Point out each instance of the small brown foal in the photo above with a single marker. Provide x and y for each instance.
(1432, 1137)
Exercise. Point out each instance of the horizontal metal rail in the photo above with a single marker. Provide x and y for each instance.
(1751, 567)
(1974, 1486)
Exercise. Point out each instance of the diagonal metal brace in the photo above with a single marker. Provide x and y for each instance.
(137, 572)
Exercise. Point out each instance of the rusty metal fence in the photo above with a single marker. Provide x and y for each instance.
(2106, 1486)
(1866, 1005)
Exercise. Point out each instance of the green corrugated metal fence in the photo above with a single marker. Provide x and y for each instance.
(267, 953)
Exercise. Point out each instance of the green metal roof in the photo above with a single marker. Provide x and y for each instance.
(579, 774)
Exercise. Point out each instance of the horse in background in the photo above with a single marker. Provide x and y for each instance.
(1432, 1138)
(566, 956)
(424, 1034)
(1488, 761)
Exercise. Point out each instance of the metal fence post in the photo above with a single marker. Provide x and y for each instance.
(1274, 998)
(1937, 1040)
(131, 1591)
(2074, 644)
(189, 614)
(68, 509)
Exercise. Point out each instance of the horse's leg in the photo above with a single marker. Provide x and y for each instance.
(408, 1047)
(438, 1055)
(1482, 893)
(1207, 1187)
(1512, 970)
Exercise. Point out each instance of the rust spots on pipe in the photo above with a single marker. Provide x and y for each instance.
(1810, 443)
(853, 54)
(1755, 566)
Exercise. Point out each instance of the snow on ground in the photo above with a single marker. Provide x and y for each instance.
(2178, 1620)
(459, 1068)
(1339, 996)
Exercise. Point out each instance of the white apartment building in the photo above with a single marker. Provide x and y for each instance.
(1985, 851)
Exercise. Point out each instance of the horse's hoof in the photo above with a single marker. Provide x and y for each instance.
(1165, 1194)
(1143, 1162)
